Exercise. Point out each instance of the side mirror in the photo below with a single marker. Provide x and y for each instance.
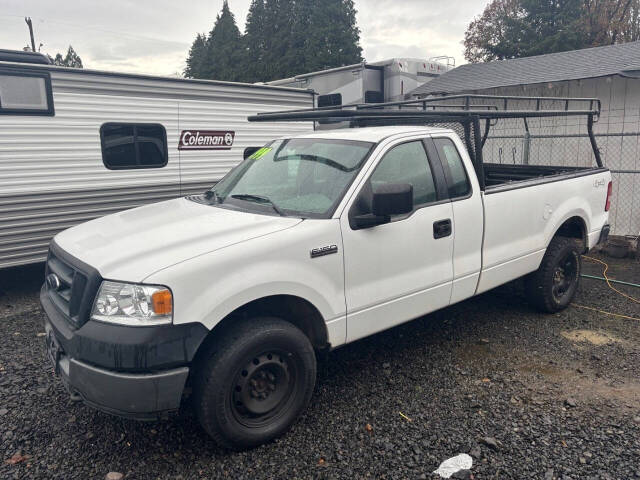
(388, 199)
(392, 199)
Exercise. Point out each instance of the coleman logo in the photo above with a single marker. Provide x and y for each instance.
(206, 140)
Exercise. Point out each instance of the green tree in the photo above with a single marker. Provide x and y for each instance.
(224, 48)
(197, 58)
(255, 33)
(520, 28)
(282, 38)
(71, 59)
(333, 36)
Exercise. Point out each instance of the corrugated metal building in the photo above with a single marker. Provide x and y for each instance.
(610, 73)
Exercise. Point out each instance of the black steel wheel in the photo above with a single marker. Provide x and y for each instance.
(263, 388)
(565, 276)
(255, 380)
(552, 287)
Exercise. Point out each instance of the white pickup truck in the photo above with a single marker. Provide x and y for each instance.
(311, 243)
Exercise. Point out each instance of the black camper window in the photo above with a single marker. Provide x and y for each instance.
(25, 92)
(331, 100)
(132, 145)
(372, 96)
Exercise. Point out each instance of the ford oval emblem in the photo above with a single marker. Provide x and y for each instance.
(53, 282)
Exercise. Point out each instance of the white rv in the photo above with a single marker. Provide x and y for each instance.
(78, 144)
(385, 81)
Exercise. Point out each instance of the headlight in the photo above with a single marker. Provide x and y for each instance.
(133, 304)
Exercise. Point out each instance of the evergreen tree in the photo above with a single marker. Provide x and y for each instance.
(224, 56)
(255, 34)
(333, 37)
(71, 59)
(282, 38)
(197, 57)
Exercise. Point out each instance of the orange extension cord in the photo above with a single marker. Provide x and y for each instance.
(604, 274)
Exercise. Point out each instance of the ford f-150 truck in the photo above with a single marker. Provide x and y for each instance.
(314, 241)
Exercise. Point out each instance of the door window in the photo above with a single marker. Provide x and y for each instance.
(407, 163)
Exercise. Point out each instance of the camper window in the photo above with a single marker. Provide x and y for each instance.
(130, 145)
(331, 100)
(25, 93)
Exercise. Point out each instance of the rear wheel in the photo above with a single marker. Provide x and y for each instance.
(552, 287)
(254, 382)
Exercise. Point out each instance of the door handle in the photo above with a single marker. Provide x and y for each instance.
(442, 228)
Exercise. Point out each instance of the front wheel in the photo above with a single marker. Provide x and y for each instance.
(552, 287)
(256, 380)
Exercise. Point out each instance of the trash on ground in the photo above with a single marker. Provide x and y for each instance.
(454, 464)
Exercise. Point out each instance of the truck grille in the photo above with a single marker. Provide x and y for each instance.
(71, 285)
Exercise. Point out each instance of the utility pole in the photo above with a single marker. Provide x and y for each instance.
(33, 42)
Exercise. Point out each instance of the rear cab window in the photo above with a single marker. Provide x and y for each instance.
(25, 92)
(454, 170)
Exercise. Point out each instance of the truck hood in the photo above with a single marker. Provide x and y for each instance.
(131, 245)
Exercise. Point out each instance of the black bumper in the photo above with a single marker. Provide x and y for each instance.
(136, 372)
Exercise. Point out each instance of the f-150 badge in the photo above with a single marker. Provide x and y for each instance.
(321, 251)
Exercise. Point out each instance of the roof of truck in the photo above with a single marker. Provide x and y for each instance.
(370, 134)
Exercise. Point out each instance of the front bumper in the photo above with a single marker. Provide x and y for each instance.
(137, 372)
(142, 396)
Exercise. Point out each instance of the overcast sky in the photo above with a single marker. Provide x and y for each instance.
(154, 36)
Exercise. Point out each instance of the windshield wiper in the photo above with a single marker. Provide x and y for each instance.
(260, 198)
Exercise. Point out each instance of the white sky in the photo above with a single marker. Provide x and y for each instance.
(145, 36)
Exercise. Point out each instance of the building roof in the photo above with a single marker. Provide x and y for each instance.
(621, 59)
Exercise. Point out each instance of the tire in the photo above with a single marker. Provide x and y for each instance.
(552, 287)
(254, 382)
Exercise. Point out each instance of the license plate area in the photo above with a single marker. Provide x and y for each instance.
(53, 350)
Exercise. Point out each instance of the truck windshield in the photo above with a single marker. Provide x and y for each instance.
(303, 177)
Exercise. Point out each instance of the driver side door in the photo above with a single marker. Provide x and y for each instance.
(402, 269)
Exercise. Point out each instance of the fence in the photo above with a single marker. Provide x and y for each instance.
(617, 134)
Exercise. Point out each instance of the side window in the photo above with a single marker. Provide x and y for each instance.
(330, 100)
(131, 145)
(407, 163)
(25, 93)
(454, 170)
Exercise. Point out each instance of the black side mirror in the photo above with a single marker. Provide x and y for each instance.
(388, 199)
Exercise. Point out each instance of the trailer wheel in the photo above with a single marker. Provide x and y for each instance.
(254, 382)
(552, 287)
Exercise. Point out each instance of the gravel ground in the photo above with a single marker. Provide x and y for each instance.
(526, 395)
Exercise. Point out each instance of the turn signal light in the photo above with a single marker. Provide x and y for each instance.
(162, 302)
(607, 205)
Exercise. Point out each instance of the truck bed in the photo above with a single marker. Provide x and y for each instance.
(497, 174)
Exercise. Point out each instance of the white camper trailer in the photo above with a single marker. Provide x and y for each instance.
(78, 144)
(385, 81)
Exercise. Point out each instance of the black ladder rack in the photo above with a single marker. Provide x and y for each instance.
(469, 111)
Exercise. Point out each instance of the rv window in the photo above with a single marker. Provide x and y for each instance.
(131, 145)
(25, 93)
(331, 100)
(372, 96)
